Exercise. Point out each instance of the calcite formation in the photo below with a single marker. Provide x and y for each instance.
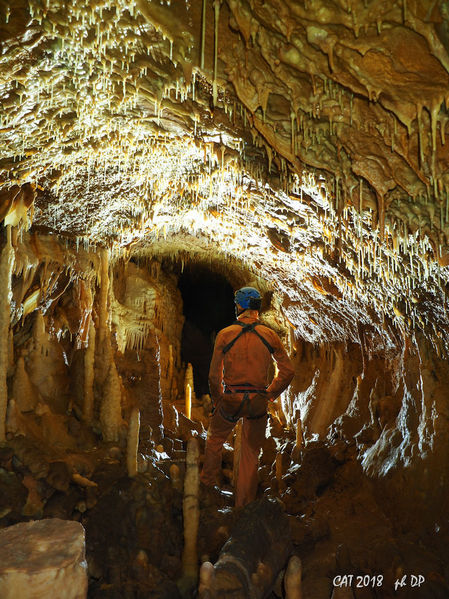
(297, 146)
(317, 128)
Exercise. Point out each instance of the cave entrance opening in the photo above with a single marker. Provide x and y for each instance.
(208, 301)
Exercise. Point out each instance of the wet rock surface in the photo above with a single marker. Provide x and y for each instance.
(134, 527)
(339, 528)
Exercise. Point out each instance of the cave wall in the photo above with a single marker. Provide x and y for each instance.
(391, 409)
(92, 336)
(149, 355)
(304, 140)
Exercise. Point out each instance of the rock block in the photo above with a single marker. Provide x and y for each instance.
(252, 557)
(43, 559)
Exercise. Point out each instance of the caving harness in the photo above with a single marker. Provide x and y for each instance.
(245, 388)
(247, 328)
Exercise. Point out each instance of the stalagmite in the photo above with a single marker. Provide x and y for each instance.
(170, 366)
(237, 449)
(6, 266)
(103, 297)
(190, 508)
(342, 593)
(13, 419)
(132, 445)
(292, 579)
(188, 389)
(207, 575)
(111, 412)
(175, 477)
(22, 391)
(188, 401)
(89, 359)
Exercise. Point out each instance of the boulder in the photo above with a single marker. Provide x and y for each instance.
(42, 559)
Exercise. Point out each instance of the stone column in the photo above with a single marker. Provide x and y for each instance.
(6, 266)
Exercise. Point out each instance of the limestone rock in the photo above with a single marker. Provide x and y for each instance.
(12, 493)
(43, 559)
(22, 391)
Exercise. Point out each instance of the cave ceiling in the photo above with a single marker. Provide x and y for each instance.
(305, 140)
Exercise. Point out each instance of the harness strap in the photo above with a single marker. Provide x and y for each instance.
(248, 328)
(246, 399)
(256, 417)
(234, 418)
(237, 389)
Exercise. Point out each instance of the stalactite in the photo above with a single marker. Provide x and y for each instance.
(6, 267)
(203, 34)
(419, 110)
(132, 445)
(361, 197)
(191, 513)
(381, 216)
(237, 450)
(89, 370)
(433, 122)
(216, 21)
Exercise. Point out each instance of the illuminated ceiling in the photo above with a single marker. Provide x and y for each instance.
(303, 139)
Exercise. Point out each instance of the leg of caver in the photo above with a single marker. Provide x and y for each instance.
(253, 434)
(217, 434)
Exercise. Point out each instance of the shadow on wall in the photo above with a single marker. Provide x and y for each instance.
(208, 300)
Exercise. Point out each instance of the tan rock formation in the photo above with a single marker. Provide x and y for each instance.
(43, 559)
(297, 146)
(6, 265)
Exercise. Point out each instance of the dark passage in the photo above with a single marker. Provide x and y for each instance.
(208, 300)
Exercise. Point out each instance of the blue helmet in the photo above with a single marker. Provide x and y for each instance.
(248, 298)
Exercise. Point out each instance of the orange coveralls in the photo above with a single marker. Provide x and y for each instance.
(247, 364)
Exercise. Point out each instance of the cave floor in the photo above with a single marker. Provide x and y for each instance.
(134, 526)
